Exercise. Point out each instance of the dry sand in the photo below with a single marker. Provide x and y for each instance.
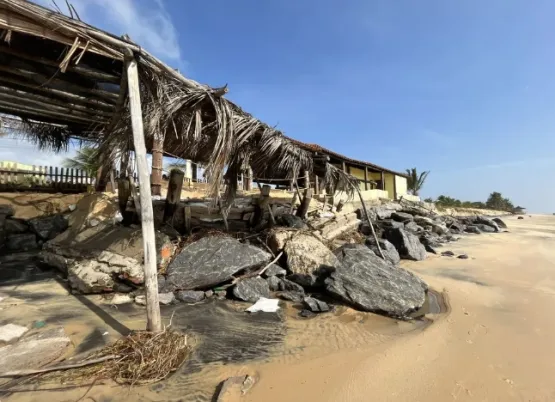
(496, 344)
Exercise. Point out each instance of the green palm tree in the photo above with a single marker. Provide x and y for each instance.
(86, 159)
(415, 181)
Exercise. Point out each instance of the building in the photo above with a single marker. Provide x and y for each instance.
(374, 181)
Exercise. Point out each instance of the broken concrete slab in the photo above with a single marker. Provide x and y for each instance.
(11, 332)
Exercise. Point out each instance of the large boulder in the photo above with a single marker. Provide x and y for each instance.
(389, 223)
(423, 220)
(6, 210)
(366, 282)
(482, 220)
(472, 229)
(48, 227)
(21, 242)
(486, 228)
(15, 226)
(402, 216)
(407, 244)
(211, 261)
(389, 251)
(291, 221)
(251, 289)
(413, 227)
(500, 223)
(309, 260)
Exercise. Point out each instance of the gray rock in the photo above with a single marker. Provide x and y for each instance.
(291, 221)
(211, 261)
(289, 286)
(430, 249)
(209, 293)
(274, 283)
(407, 244)
(6, 210)
(251, 289)
(315, 305)
(163, 298)
(190, 296)
(500, 223)
(486, 228)
(401, 216)
(472, 229)
(21, 242)
(309, 260)
(382, 212)
(447, 253)
(463, 257)
(422, 220)
(291, 296)
(48, 227)
(220, 294)
(12, 226)
(389, 251)
(520, 217)
(369, 283)
(274, 270)
(388, 224)
(412, 227)
(307, 314)
(234, 388)
(483, 221)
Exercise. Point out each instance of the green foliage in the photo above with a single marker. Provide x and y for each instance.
(495, 201)
(415, 181)
(86, 159)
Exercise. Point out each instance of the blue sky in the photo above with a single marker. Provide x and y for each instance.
(465, 89)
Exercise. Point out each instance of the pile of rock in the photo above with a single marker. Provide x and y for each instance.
(19, 235)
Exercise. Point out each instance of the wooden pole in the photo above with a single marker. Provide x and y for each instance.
(262, 204)
(157, 164)
(316, 185)
(124, 192)
(175, 186)
(154, 321)
(366, 178)
(383, 181)
(305, 203)
(187, 217)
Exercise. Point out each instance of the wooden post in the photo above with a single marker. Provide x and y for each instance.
(383, 181)
(344, 166)
(124, 192)
(154, 321)
(187, 216)
(305, 203)
(366, 178)
(173, 197)
(112, 181)
(157, 164)
(262, 204)
(316, 185)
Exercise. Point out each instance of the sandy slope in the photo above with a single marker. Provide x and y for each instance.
(497, 343)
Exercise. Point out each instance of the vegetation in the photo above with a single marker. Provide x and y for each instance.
(415, 181)
(495, 201)
(86, 159)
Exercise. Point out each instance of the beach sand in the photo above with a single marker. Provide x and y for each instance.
(496, 343)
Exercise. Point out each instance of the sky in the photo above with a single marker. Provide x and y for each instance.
(464, 89)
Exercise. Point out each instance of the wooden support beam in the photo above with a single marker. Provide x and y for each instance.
(305, 203)
(175, 185)
(383, 181)
(154, 321)
(158, 164)
(366, 184)
(15, 109)
(344, 166)
(124, 192)
(187, 218)
(316, 185)
(262, 204)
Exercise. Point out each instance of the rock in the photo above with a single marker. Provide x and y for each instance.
(422, 220)
(48, 227)
(11, 332)
(520, 217)
(407, 244)
(315, 305)
(500, 223)
(161, 283)
(273, 283)
(6, 210)
(447, 253)
(389, 251)
(472, 229)
(430, 249)
(291, 221)
(401, 216)
(291, 296)
(309, 260)
(93, 223)
(412, 227)
(278, 239)
(190, 296)
(119, 298)
(463, 257)
(234, 388)
(388, 224)
(368, 283)
(307, 314)
(208, 294)
(35, 351)
(72, 207)
(220, 294)
(211, 261)
(482, 220)
(21, 242)
(251, 289)
(289, 286)
(274, 270)
(486, 228)
(163, 298)
(12, 226)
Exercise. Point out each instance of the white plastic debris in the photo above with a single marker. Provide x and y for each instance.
(156, 198)
(265, 305)
(118, 217)
(11, 332)
(72, 207)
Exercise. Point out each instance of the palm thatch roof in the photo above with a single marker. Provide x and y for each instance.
(66, 79)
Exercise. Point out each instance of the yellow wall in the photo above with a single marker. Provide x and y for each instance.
(390, 185)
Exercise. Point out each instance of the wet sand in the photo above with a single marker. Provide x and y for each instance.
(496, 344)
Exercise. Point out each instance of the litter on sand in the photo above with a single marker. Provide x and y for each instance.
(265, 305)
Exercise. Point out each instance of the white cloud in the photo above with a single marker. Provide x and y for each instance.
(146, 22)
